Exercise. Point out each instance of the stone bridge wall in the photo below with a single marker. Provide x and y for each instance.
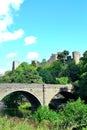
(44, 93)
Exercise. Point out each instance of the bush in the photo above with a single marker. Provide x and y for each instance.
(74, 114)
(62, 80)
(44, 113)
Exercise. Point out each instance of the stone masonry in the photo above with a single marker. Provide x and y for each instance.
(42, 93)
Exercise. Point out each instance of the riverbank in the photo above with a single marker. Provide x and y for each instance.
(9, 123)
(69, 117)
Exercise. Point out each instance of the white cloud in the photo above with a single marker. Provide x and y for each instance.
(32, 55)
(11, 55)
(6, 19)
(6, 36)
(2, 71)
(30, 40)
(6, 5)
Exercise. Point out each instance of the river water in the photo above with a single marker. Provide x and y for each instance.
(13, 111)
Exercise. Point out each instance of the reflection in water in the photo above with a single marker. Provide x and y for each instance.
(15, 112)
(18, 112)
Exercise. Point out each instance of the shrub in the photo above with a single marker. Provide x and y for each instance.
(62, 80)
(74, 114)
(44, 113)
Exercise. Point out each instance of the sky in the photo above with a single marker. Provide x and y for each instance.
(34, 29)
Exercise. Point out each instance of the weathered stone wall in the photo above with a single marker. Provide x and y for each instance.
(76, 56)
(44, 93)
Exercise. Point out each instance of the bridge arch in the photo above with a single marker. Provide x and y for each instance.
(61, 98)
(35, 103)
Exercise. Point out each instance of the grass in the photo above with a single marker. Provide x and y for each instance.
(15, 123)
(9, 123)
(73, 115)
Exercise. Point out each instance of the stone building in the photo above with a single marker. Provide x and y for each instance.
(52, 58)
(35, 63)
(15, 64)
(76, 56)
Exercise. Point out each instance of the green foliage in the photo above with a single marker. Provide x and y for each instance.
(29, 76)
(84, 128)
(25, 73)
(84, 58)
(73, 71)
(24, 108)
(62, 56)
(46, 75)
(83, 85)
(13, 100)
(15, 124)
(62, 80)
(83, 77)
(25, 105)
(74, 114)
(56, 69)
(44, 113)
(22, 124)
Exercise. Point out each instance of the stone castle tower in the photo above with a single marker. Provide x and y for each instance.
(15, 64)
(53, 58)
(76, 56)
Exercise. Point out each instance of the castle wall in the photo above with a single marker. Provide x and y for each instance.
(76, 56)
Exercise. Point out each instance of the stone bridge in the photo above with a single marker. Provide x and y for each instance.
(37, 94)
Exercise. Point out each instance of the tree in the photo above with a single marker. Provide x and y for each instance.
(56, 69)
(62, 80)
(83, 77)
(83, 86)
(62, 56)
(46, 75)
(28, 74)
(73, 115)
(73, 71)
(25, 73)
(7, 77)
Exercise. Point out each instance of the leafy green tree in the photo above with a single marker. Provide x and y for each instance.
(73, 115)
(25, 73)
(84, 58)
(29, 76)
(62, 56)
(83, 77)
(83, 86)
(46, 75)
(11, 100)
(62, 80)
(43, 61)
(25, 66)
(79, 73)
(73, 71)
(7, 77)
(56, 69)
(44, 113)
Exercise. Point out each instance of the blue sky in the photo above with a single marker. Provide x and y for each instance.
(34, 29)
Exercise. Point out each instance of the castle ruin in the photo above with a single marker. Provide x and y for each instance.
(75, 56)
(52, 58)
(15, 64)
